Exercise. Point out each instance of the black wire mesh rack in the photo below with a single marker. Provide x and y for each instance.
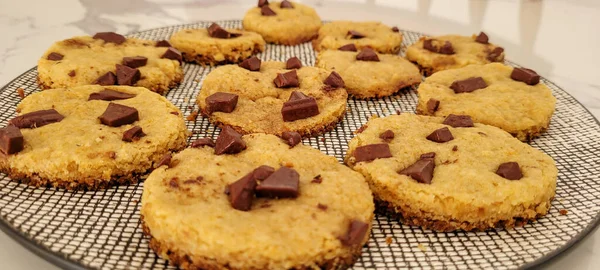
(101, 229)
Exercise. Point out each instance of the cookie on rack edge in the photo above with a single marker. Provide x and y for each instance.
(375, 35)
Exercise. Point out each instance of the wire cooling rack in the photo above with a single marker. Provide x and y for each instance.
(101, 229)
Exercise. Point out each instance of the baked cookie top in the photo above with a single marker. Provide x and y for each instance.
(74, 141)
(378, 36)
(283, 24)
(464, 190)
(370, 74)
(433, 54)
(85, 60)
(283, 233)
(256, 104)
(491, 97)
(231, 46)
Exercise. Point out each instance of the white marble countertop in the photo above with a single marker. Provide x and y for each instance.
(557, 38)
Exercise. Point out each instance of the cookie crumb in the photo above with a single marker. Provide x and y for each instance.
(111, 154)
(288, 164)
(21, 92)
(323, 139)
(388, 240)
(322, 206)
(361, 129)
(398, 112)
(422, 247)
(317, 180)
(563, 211)
(192, 116)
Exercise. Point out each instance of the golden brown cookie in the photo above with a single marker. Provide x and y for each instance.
(375, 35)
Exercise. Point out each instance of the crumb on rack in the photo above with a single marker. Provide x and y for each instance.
(21, 92)
(563, 211)
(388, 240)
(422, 247)
(192, 116)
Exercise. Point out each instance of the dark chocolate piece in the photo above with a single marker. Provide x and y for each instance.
(355, 34)
(441, 135)
(372, 152)
(356, 233)
(367, 54)
(117, 115)
(11, 140)
(334, 81)
(446, 48)
(387, 135)
(395, 29)
(110, 37)
(241, 192)
(262, 3)
(457, 121)
(432, 105)
(135, 61)
(71, 73)
(133, 134)
(322, 206)
(173, 54)
(164, 160)
(525, 75)
(203, 142)
(299, 106)
(221, 102)
(55, 56)
(109, 78)
(110, 95)
(482, 38)
(468, 85)
(427, 155)
(510, 171)
(252, 64)
(36, 119)
(422, 170)
(263, 172)
(494, 55)
(229, 142)
(163, 43)
(267, 11)
(292, 138)
(127, 75)
(317, 179)
(293, 63)
(286, 80)
(348, 48)
(286, 4)
(216, 31)
(283, 183)
(455, 148)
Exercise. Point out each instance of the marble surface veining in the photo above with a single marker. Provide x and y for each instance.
(557, 38)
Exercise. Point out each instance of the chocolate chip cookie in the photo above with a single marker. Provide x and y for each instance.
(433, 54)
(260, 205)
(375, 35)
(89, 137)
(110, 59)
(215, 45)
(510, 98)
(273, 97)
(451, 174)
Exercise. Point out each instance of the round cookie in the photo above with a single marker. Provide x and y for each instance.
(366, 78)
(71, 148)
(86, 60)
(286, 26)
(461, 187)
(462, 52)
(259, 102)
(192, 222)
(522, 110)
(198, 46)
(375, 35)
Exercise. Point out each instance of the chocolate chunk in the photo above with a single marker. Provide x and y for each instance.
(427, 155)
(71, 73)
(422, 170)
(355, 34)
(163, 43)
(428, 45)
(164, 160)
(107, 79)
(356, 233)
(299, 106)
(455, 148)
(109, 95)
(525, 75)
(263, 172)
(457, 121)
(367, 54)
(241, 192)
(387, 135)
(494, 55)
(432, 105)
(221, 102)
(372, 152)
(127, 75)
(468, 85)
(510, 171)
(110, 37)
(283, 183)
(395, 29)
(173, 54)
(174, 182)
(135, 61)
(441, 135)
(322, 206)
(482, 38)
(348, 48)
(446, 48)
(216, 31)
(292, 138)
(117, 115)
(317, 179)
(252, 63)
(203, 142)
(262, 3)
(334, 81)
(286, 4)
(288, 79)
(267, 11)
(11, 140)
(293, 63)
(36, 119)
(133, 134)
(55, 56)
(229, 142)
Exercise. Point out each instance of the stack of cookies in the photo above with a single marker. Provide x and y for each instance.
(256, 197)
